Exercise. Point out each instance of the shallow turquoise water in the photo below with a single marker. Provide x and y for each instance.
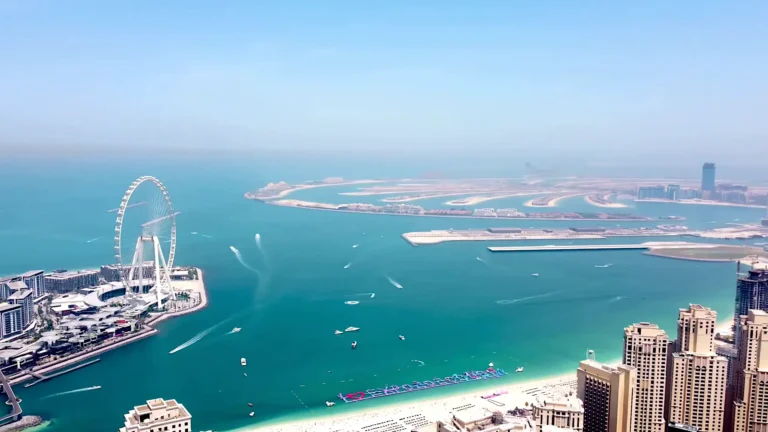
(448, 309)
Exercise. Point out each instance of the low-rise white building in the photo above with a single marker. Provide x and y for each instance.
(158, 415)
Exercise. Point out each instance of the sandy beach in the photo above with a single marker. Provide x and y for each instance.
(436, 408)
(551, 203)
(474, 200)
(597, 204)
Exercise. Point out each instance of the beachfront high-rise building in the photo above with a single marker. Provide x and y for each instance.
(708, 177)
(564, 413)
(608, 395)
(158, 415)
(62, 282)
(698, 376)
(750, 413)
(751, 293)
(645, 348)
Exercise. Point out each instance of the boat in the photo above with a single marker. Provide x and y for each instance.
(242, 361)
(330, 404)
(401, 337)
(245, 374)
(235, 330)
(354, 246)
(338, 332)
(354, 344)
(351, 329)
(250, 404)
(520, 369)
(251, 414)
(373, 295)
(535, 274)
(347, 266)
(490, 364)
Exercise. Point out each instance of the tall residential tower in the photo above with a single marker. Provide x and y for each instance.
(698, 375)
(608, 394)
(708, 177)
(750, 410)
(645, 348)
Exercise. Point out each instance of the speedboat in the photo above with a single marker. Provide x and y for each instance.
(245, 375)
(351, 329)
(535, 274)
(251, 414)
(242, 361)
(520, 369)
(354, 344)
(250, 404)
(401, 337)
(330, 404)
(235, 330)
(338, 332)
(490, 364)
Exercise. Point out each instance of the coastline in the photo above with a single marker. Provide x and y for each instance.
(286, 192)
(702, 202)
(474, 200)
(551, 203)
(597, 204)
(434, 407)
(144, 333)
(559, 219)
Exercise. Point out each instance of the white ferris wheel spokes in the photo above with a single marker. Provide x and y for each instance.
(136, 274)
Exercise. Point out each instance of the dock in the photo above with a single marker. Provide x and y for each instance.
(13, 401)
(40, 377)
(638, 246)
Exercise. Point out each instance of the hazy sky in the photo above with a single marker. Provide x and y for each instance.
(665, 77)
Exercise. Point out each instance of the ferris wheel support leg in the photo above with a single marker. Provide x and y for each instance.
(158, 271)
(137, 257)
(165, 279)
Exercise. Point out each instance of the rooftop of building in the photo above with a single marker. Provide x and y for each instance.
(699, 311)
(563, 404)
(644, 329)
(21, 294)
(683, 427)
(17, 285)
(4, 307)
(69, 274)
(607, 368)
(31, 273)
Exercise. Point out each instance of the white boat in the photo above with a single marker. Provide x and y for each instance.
(330, 404)
(520, 369)
(535, 274)
(354, 344)
(490, 364)
(347, 266)
(242, 361)
(251, 414)
(351, 329)
(354, 246)
(338, 332)
(245, 374)
(401, 337)
(235, 330)
(373, 295)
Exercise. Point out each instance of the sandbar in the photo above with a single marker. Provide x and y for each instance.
(591, 201)
(473, 200)
(552, 202)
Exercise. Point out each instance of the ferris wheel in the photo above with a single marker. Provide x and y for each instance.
(152, 222)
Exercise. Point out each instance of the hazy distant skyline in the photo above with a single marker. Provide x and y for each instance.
(365, 76)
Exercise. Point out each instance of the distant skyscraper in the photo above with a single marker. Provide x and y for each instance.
(608, 394)
(645, 348)
(751, 293)
(708, 177)
(698, 375)
(751, 405)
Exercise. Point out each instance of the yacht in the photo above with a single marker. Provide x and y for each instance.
(520, 369)
(338, 332)
(401, 337)
(330, 404)
(354, 344)
(351, 329)
(490, 365)
(535, 274)
(242, 361)
(235, 330)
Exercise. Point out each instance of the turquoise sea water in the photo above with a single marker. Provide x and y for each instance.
(449, 309)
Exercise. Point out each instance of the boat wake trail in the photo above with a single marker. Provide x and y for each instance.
(481, 260)
(603, 266)
(354, 246)
(73, 391)
(240, 258)
(505, 302)
(352, 302)
(394, 283)
(92, 240)
(615, 299)
(421, 363)
(348, 265)
(196, 338)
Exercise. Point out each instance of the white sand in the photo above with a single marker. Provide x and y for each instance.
(551, 203)
(701, 202)
(597, 204)
(433, 409)
(483, 198)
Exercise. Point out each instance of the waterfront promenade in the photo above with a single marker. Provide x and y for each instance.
(192, 286)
